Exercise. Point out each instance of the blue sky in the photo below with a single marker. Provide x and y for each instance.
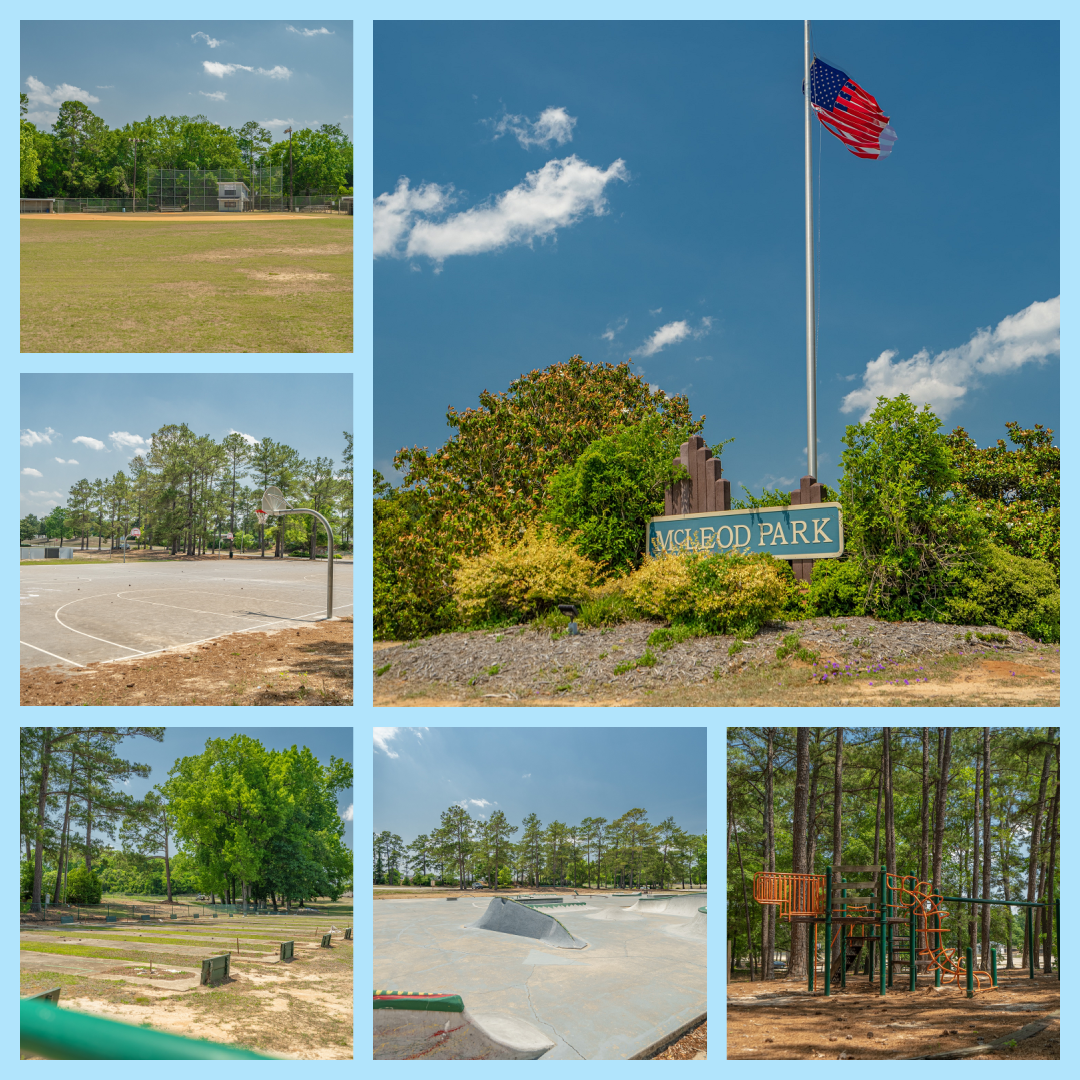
(635, 189)
(180, 742)
(558, 773)
(75, 427)
(274, 72)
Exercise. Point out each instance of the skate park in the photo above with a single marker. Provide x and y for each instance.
(82, 614)
(554, 977)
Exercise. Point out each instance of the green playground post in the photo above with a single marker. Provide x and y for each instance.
(911, 944)
(993, 967)
(828, 931)
(882, 905)
(1031, 945)
(970, 972)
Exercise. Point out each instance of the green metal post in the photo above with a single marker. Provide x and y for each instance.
(937, 945)
(970, 972)
(911, 946)
(810, 952)
(828, 931)
(843, 939)
(882, 916)
(993, 967)
(1031, 945)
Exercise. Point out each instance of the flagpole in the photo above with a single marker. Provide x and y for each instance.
(811, 351)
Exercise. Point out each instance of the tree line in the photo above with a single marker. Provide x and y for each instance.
(973, 811)
(237, 821)
(187, 490)
(624, 853)
(83, 157)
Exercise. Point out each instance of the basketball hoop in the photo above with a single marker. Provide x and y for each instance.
(261, 515)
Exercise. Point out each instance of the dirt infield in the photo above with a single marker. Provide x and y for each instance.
(307, 666)
(242, 283)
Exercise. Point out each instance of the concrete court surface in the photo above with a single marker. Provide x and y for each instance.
(634, 985)
(83, 614)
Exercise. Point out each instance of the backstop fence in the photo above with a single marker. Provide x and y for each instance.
(196, 191)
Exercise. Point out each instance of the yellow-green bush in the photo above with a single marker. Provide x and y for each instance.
(721, 593)
(522, 579)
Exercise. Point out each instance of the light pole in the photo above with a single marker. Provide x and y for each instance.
(135, 171)
(288, 131)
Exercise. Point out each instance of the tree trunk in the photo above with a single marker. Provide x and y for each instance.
(974, 864)
(1004, 845)
(924, 843)
(877, 819)
(1048, 890)
(797, 965)
(61, 860)
(890, 830)
(768, 914)
(168, 872)
(837, 826)
(984, 929)
(746, 905)
(939, 807)
(1036, 838)
(811, 819)
(39, 832)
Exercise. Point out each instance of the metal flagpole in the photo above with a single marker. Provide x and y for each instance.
(811, 352)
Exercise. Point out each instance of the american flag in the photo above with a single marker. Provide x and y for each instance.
(849, 112)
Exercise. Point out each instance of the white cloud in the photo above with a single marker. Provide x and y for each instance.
(46, 494)
(212, 67)
(672, 333)
(33, 472)
(395, 213)
(480, 802)
(347, 813)
(942, 380)
(124, 440)
(40, 94)
(91, 444)
(113, 87)
(309, 33)
(381, 737)
(669, 334)
(141, 451)
(526, 776)
(611, 331)
(217, 95)
(32, 438)
(212, 42)
(249, 439)
(655, 311)
(552, 125)
(555, 196)
(276, 123)
(69, 461)
(276, 72)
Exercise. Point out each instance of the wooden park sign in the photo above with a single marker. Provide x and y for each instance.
(698, 517)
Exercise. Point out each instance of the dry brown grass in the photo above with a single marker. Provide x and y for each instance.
(309, 666)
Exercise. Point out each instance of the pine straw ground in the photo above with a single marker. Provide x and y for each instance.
(858, 662)
(691, 1047)
(309, 666)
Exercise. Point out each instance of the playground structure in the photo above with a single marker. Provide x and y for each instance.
(889, 900)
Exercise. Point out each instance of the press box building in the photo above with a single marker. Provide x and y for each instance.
(233, 196)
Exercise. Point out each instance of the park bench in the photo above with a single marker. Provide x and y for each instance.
(93, 209)
(172, 209)
(321, 208)
(66, 919)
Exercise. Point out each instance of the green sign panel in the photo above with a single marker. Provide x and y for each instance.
(214, 969)
(813, 531)
(285, 950)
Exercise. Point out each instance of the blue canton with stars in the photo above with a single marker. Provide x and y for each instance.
(826, 84)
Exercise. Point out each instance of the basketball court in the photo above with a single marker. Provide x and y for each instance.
(82, 614)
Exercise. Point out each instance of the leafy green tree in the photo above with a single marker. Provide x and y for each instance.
(901, 519)
(1016, 491)
(29, 161)
(147, 829)
(55, 525)
(29, 527)
(603, 501)
(83, 887)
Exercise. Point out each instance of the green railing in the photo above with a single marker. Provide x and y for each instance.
(61, 1034)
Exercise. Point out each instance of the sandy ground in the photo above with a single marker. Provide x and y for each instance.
(857, 1023)
(308, 666)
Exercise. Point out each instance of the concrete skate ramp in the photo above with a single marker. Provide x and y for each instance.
(694, 930)
(408, 1029)
(671, 905)
(616, 914)
(507, 917)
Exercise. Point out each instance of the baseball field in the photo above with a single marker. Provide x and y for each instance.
(186, 283)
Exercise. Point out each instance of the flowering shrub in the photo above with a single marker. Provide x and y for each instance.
(521, 579)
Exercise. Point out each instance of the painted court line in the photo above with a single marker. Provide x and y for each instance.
(52, 654)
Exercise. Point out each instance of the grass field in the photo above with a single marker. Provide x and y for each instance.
(174, 283)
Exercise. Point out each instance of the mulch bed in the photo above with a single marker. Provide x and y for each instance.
(530, 663)
(307, 666)
(691, 1047)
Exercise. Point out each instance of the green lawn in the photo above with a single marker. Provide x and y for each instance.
(187, 286)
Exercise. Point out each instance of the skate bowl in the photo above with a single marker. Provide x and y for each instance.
(694, 930)
(509, 917)
(632, 992)
(438, 1027)
(686, 905)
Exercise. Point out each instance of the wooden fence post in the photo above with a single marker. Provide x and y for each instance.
(809, 492)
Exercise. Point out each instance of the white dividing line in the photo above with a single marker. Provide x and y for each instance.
(52, 654)
(115, 644)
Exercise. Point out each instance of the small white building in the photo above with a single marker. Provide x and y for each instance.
(233, 196)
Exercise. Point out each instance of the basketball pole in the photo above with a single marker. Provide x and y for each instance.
(329, 551)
